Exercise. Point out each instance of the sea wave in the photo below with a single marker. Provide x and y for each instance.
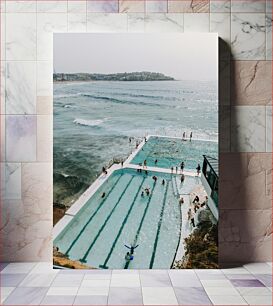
(153, 97)
(118, 101)
(67, 96)
(89, 122)
(69, 106)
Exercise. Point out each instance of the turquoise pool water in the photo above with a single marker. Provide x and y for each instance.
(98, 233)
(170, 152)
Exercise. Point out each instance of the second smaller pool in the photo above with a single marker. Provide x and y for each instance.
(170, 152)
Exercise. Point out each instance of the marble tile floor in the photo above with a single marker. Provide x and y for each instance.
(39, 284)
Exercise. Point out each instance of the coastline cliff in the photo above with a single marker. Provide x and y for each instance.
(132, 76)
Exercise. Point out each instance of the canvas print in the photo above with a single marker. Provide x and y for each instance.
(135, 151)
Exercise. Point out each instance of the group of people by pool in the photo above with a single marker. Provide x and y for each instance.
(195, 206)
(182, 166)
(184, 138)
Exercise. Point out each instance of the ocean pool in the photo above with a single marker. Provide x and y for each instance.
(170, 152)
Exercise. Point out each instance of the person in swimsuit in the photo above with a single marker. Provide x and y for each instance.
(132, 248)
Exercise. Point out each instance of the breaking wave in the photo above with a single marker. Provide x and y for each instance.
(89, 122)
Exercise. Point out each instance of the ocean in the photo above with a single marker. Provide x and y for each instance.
(93, 121)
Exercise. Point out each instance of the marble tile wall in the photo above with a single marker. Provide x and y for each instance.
(245, 91)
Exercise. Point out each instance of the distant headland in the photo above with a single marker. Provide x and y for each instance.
(131, 76)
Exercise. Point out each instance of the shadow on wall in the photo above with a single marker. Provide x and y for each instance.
(241, 239)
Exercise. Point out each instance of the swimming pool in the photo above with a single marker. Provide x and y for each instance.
(98, 232)
(170, 152)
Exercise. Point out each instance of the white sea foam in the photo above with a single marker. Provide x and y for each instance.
(89, 122)
(67, 96)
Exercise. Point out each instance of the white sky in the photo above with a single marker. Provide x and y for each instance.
(182, 56)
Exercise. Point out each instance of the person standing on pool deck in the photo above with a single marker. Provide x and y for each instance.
(172, 169)
(190, 136)
(156, 161)
(198, 169)
(145, 163)
(191, 217)
(182, 167)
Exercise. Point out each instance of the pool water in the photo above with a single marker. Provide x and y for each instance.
(170, 152)
(97, 234)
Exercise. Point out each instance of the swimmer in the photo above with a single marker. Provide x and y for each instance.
(103, 195)
(155, 178)
(146, 172)
(163, 182)
(132, 248)
(182, 178)
(142, 194)
(156, 161)
(145, 163)
(128, 256)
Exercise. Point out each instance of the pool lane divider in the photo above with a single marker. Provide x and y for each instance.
(122, 226)
(91, 218)
(141, 222)
(159, 226)
(105, 222)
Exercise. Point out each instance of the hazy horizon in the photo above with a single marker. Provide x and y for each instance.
(103, 53)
